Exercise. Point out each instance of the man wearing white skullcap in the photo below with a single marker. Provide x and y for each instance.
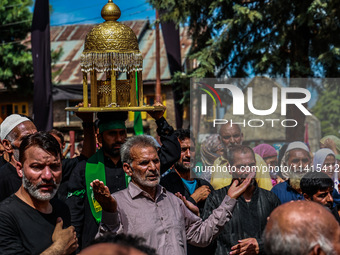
(296, 163)
(12, 130)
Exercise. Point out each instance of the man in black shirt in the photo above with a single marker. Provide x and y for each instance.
(318, 187)
(106, 165)
(2, 155)
(243, 233)
(12, 130)
(30, 221)
(179, 179)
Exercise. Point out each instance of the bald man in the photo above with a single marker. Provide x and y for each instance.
(230, 135)
(301, 228)
(110, 249)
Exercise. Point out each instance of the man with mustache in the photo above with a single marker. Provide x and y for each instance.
(243, 233)
(107, 166)
(180, 179)
(31, 222)
(230, 135)
(147, 210)
(318, 187)
(296, 163)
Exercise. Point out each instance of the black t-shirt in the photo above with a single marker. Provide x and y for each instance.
(82, 218)
(25, 230)
(10, 181)
(2, 161)
(68, 165)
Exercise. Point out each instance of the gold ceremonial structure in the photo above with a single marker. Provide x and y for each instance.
(112, 48)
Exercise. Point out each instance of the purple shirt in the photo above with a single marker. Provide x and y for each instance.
(166, 223)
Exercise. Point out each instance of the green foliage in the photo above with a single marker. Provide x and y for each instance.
(327, 110)
(15, 58)
(16, 69)
(283, 38)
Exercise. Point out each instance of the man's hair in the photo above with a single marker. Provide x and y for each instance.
(299, 241)
(42, 140)
(182, 134)
(243, 149)
(127, 241)
(141, 141)
(58, 134)
(314, 181)
(11, 136)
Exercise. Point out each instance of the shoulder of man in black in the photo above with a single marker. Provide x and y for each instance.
(213, 201)
(170, 151)
(10, 182)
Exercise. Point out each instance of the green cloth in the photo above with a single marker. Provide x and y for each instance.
(95, 169)
(114, 124)
(334, 138)
(138, 124)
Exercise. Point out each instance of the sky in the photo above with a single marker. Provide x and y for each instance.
(69, 12)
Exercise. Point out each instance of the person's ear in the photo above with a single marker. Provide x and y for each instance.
(19, 169)
(317, 251)
(100, 137)
(7, 145)
(127, 169)
(308, 198)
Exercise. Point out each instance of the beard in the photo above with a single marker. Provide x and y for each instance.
(180, 167)
(110, 150)
(34, 190)
(295, 178)
(144, 182)
(16, 154)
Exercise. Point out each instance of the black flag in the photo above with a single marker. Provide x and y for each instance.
(41, 54)
(173, 50)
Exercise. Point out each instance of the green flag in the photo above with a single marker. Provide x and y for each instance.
(138, 123)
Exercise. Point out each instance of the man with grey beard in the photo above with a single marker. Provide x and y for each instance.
(296, 163)
(12, 130)
(30, 221)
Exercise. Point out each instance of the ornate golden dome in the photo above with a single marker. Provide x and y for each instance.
(111, 45)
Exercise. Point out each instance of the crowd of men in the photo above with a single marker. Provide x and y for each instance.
(141, 195)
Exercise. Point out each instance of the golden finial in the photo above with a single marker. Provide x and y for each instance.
(110, 11)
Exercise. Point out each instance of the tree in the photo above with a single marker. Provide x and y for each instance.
(16, 59)
(290, 38)
(327, 109)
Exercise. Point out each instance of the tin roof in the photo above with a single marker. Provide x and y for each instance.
(71, 39)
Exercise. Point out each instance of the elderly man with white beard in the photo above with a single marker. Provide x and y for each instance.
(30, 221)
(296, 163)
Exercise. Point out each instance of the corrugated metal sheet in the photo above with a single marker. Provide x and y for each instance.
(71, 40)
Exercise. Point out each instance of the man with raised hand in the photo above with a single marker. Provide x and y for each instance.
(147, 210)
(230, 135)
(107, 166)
(243, 233)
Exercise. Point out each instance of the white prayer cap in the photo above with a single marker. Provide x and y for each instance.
(297, 145)
(10, 123)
